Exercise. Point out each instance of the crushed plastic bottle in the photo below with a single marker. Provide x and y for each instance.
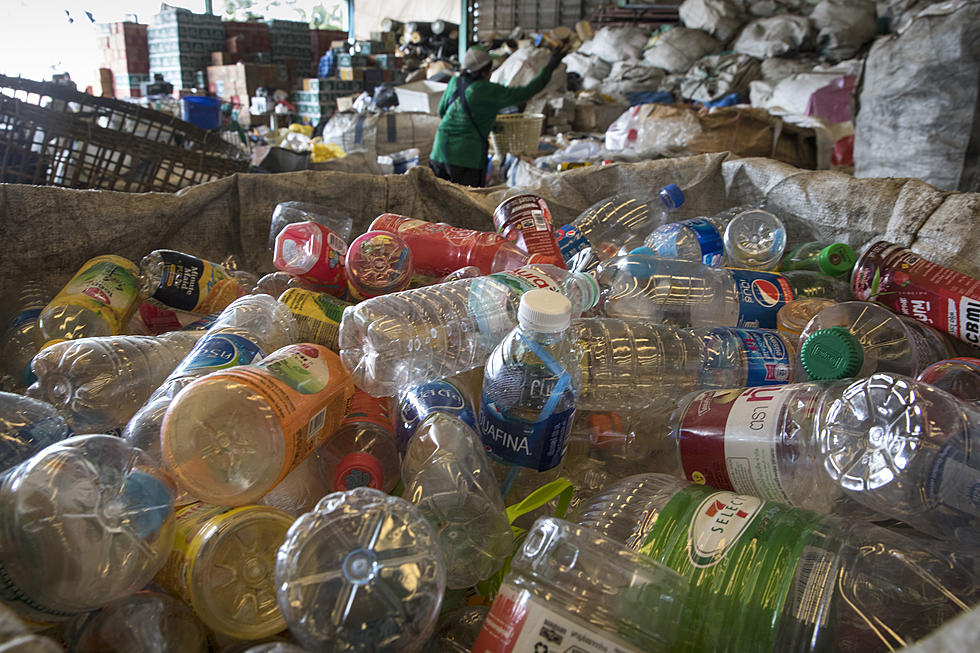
(287, 213)
(958, 376)
(834, 259)
(186, 282)
(317, 314)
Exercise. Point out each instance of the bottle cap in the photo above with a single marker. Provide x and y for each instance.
(672, 195)
(832, 353)
(590, 289)
(837, 259)
(545, 311)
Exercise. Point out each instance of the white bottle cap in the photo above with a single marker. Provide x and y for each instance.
(545, 311)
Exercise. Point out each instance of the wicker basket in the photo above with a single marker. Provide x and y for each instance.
(50, 134)
(517, 133)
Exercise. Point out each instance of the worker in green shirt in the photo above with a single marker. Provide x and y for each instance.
(469, 108)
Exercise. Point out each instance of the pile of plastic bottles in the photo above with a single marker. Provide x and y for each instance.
(629, 433)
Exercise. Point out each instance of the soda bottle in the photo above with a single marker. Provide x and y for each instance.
(798, 580)
(83, 522)
(99, 383)
(439, 249)
(287, 213)
(447, 474)
(807, 283)
(795, 315)
(856, 339)
(26, 426)
(958, 376)
(378, 263)
(440, 396)
(230, 436)
(362, 452)
(750, 239)
(928, 292)
(96, 302)
(223, 566)
(570, 586)
(525, 219)
(187, 283)
(531, 386)
(317, 315)
(833, 259)
(396, 341)
(363, 571)
(617, 224)
(313, 253)
(21, 338)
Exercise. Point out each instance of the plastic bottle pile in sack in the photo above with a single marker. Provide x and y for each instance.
(376, 448)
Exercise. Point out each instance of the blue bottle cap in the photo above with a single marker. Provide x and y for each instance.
(672, 195)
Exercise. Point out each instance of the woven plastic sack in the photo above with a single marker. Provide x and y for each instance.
(614, 44)
(843, 26)
(679, 48)
(720, 18)
(630, 77)
(773, 37)
(522, 66)
(717, 75)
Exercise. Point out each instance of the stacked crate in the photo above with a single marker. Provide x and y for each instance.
(181, 43)
(240, 82)
(289, 43)
(249, 40)
(318, 99)
(322, 40)
(125, 53)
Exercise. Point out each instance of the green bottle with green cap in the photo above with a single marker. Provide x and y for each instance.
(834, 259)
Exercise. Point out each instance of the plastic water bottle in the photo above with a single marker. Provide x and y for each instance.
(96, 302)
(26, 426)
(417, 403)
(396, 341)
(793, 317)
(287, 213)
(300, 489)
(834, 259)
(633, 364)
(278, 282)
(223, 566)
(362, 452)
(526, 220)
(245, 332)
(439, 248)
(800, 581)
(230, 436)
(145, 621)
(856, 339)
(186, 282)
(573, 589)
(447, 474)
(21, 339)
(618, 223)
(749, 239)
(99, 383)
(958, 376)
(84, 522)
(378, 263)
(531, 386)
(313, 253)
(363, 571)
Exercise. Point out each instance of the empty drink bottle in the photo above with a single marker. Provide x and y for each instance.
(152, 318)
(958, 376)
(362, 452)
(834, 259)
(26, 426)
(378, 263)
(317, 315)
(526, 220)
(419, 402)
(230, 436)
(186, 282)
(145, 621)
(749, 239)
(287, 213)
(313, 253)
(21, 339)
(793, 317)
(363, 571)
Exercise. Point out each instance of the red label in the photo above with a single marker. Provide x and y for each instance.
(158, 320)
(438, 248)
(358, 469)
(526, 220)
(503, 623)
(702, 439)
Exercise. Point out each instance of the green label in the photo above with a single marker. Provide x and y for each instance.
(300, 367)
(106, 283)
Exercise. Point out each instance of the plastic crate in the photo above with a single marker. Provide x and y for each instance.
(517, 133)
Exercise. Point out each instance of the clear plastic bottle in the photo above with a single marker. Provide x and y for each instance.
(26, 426)
(362, 452)
(856, 339)
(834, 259)
(96, 302)
(797, 581)
(99, 383)
(795, 315)
(223, 566)
(313, 253)
(571, 588)
(958, 376)
(21, 339)
(287, 213)
(458, 630)
(618, 223)
(246, 331)
(526, 220)
(83, 522)
(378, 263)
(447, 474)
(749, 239)
(230, 436)
(16, 636)
(363, 571)
(807, 283)
(415, 404)
(400, 340)
(531, 386)
(278, 282)
(301, 488)
(186, 282)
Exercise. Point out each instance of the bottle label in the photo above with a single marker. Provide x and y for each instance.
(107, 285)
(767, 359)
(489, 296)
(709, 240)
(365, 408)
(158, 318)
(307, 388)
(729, 440)
(953, 484)
(928, 292)
(570, 241)
(194, 285)
(516, 441)
(760, 296)
(219, 351)
(424, 400)
(519, 622)
(321, 250)
(526, 219)
(437, 248)
(317, 314)
(358, 469)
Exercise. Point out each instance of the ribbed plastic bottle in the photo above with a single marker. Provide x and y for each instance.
(83, 522)
(363, 571)
(573, 589)
(958, 376)
(793, 317)
(99, 383)
(230, 436)
(186, 282)
(856, 339)
(26, 426)
(246, 331)
(21, 338)
(97, 301)
(223, 566)
(531, 386)
(447, 474)
(313, 253)
(834, 259)
(749, 239)
(790, 579)
(400, 340)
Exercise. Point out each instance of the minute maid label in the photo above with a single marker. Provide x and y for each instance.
(106, 285)
(192, 284)
(760, 296)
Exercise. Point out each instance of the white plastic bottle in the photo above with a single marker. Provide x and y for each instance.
(396, 341)
(21, 339)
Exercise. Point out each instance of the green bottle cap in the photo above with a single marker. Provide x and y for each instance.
(832, 353)
(837, 259)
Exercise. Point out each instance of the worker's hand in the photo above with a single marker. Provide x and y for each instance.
(557, 54)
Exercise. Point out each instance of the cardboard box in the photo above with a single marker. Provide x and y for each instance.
(224, 58)
(387, 61)
(421, 96)
(345, 60)
(346, 102)
(351, 74)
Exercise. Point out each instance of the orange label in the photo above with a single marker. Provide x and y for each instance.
(365, 408)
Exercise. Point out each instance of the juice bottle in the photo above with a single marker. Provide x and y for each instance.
(526, 220)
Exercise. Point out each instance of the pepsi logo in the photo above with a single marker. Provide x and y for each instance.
(766, 293)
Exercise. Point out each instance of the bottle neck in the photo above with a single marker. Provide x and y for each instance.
(542, 338)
